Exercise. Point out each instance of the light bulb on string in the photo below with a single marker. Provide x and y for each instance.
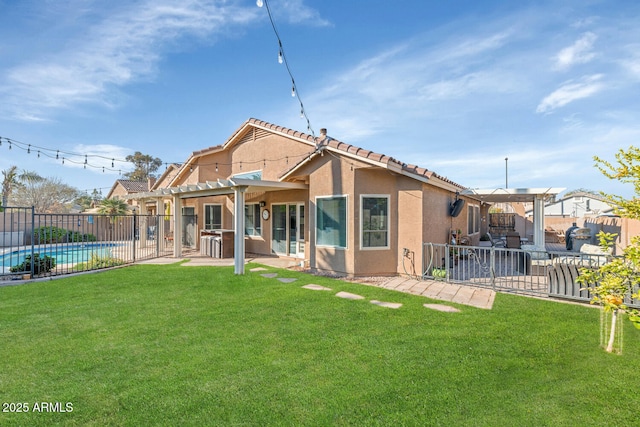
(280, 59)
(293, 90)
(57, 154)
(10, 147)
(38, 153)
(259, 3)
(63, 160)
(29, 149)
(112, 160)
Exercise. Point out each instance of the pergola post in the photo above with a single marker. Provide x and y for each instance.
(538, 222)
(177, 226)
(238, 246)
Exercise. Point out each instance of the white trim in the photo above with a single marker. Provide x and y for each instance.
(204, 215)
(388, 231)
(259, 220)
(346, 225)
(469, 210)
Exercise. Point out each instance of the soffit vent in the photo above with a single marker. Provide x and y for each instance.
(253, 135)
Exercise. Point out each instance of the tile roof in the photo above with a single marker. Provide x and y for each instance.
(327, 141)
(133, 186)
(335, 145)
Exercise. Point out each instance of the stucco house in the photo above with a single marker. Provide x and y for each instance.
(335, 207)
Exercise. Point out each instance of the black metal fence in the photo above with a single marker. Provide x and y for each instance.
(36, 245)
(530, 272)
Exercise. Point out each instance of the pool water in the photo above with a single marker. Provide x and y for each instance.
(67, 254)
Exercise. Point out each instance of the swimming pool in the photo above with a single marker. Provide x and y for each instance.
(63, 254)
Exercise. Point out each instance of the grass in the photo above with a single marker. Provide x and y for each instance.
(175, 345)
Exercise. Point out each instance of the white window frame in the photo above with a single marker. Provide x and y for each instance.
(256, 221)
(204, 216)
(388, 221)
(346, 220)
(473, 214)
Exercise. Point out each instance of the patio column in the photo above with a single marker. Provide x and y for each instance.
(538, 222)
(238, 246)
(177, 227)
(142, 224)
(160, 215)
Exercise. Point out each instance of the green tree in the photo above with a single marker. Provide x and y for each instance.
(113, 207)
(88, 201)
(144, 166)
(620, 277)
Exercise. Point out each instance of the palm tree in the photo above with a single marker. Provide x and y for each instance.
(8, 183)
(113, 207)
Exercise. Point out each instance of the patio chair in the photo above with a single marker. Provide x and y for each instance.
(498, 243)
(168, 238)
(513, 240)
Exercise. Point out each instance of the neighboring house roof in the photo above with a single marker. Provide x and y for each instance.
(168, 174)
(324, 143)
(129, 186)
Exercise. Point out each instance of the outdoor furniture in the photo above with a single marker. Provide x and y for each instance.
(498, 243)
(513, 240)
(168, 238)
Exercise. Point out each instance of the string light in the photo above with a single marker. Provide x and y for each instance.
(86, 163)
(282, 58)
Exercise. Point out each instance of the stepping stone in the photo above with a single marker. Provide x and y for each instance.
(442, 307)
(387, 304)
(270, 275)
(258, 269)
(347, 295)
(316, 287)
(287, 279)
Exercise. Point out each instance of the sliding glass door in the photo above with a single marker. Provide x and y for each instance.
(287, 229)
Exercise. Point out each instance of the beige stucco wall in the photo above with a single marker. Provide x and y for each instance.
(418, 212)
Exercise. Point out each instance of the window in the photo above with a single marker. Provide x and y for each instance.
(212, 217)
(252, 224)
(473, 219)
(257, 175)
(374, 221)
(331, 221)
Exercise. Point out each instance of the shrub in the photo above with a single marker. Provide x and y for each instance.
(96, 262)
(53, 234)
(41, 264)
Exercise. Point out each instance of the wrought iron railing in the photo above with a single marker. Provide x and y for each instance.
(523, 271)
(36, 245)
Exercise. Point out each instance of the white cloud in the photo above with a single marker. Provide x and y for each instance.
(578, 53)
(570, 92)
(125, 45)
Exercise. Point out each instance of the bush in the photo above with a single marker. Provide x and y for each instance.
(96, 262)
(41, 264)
(53, 234)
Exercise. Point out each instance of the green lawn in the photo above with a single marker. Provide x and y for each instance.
(174, 345)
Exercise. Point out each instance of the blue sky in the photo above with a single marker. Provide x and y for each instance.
(452, 86)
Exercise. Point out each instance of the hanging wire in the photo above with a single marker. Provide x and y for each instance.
(282, 58)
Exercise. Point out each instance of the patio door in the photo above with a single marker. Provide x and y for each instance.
(189, 226)
(287, 229)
